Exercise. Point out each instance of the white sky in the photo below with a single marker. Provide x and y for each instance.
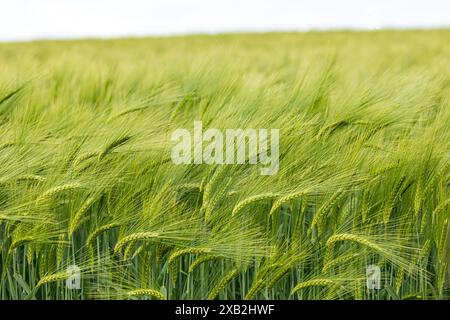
(36, 19)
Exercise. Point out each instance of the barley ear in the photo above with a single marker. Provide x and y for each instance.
(313, 283)
(222, 284)
(146, 292)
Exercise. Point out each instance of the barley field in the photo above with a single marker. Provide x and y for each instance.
(86, 176)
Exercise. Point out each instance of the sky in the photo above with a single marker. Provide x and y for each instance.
(63, 19)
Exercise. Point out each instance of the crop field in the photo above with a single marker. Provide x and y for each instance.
(361, 190)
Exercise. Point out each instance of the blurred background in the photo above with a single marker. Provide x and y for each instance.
(64, 19)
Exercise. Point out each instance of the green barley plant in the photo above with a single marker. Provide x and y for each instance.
(87, 177)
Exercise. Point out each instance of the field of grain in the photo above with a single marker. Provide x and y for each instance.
(86, 177)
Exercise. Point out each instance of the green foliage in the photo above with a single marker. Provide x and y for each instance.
(86, 176)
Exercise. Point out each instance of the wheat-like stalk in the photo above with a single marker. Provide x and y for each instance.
(181, 104)
(353, 238)
(285, 199)
(424, 221)
(313, 283)
(85, 156)
(255, 288)
(53, 277)
(74, 223)
(333, 291)
(59, 189)
(130, 251)
(399, 279)
(418, 194)
(99, 231)
(30, 254)
(60, 250)
(260, 197)
(329, 254)
(440, 208)
(161, 250)
(42, 265)
(207, 191)
(202, 259)
(19, 242)
(365, 206)
(116, 143)
(326, 207)
(442, 244)
(211, 205)
(358, 289)
(31, 177)
(431, 183)
(425, 251)
(392, 199)
(138, 236)
(282, 270)
(146, 292)
(145, 267)
(222, 283)
(178, 253)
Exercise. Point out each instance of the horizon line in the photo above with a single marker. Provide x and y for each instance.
(220, 33)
